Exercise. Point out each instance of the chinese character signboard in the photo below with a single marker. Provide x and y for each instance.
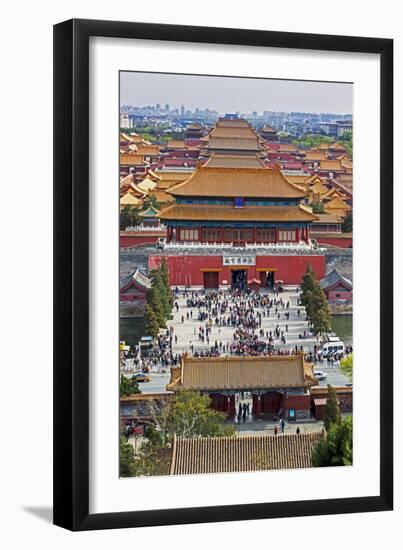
(239, 260)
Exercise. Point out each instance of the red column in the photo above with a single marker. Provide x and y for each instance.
(254, 234)
(276, 235)
(298, 237)
(232, 405)
(258, 410)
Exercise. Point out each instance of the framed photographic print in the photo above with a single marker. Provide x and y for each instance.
(223, 249)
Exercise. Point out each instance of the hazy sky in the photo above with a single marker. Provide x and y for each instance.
(228, 95)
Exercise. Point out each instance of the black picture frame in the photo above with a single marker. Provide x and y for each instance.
(71, 274)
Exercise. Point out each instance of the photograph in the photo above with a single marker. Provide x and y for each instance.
(236, 274)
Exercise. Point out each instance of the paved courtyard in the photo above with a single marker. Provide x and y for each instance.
(187, 335)
(187, 332)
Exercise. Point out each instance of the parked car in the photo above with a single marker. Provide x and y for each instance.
(141, 377)
(320, 375)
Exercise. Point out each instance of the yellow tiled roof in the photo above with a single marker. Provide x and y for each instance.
(234, 161)
(129, 199)
(330, 165)
(208, 455)
(230, 213)
(237, 373)
(147, 184)
(237, 182)
(128, 159)
(338, 203)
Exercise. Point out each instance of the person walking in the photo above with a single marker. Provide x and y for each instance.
(282, 424)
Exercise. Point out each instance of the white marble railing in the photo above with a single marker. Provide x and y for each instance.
(136, 228)
(250, 247)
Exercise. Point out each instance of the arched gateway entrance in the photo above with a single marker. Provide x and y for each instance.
(270, 385)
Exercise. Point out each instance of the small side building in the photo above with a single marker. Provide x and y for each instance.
(337, 287)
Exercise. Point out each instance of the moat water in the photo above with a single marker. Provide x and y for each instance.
(342, 325)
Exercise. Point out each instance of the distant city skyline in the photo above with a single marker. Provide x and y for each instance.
(232, 94)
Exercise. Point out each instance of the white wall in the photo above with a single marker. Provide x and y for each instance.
(26, 346)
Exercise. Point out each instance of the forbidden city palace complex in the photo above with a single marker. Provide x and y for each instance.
(234, 221)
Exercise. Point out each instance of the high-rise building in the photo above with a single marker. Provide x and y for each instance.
(125, 121)
(167, 107)
(182, 110)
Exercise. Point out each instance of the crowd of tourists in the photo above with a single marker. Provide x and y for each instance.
(160, 357)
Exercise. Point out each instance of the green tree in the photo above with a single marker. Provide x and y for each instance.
(346, 366)
(347, 225)
(336, 449)
(187, 414)
(318, 207)
(155, 301)
(318, 310)
(164, 272)
(315, 302)
(126, 458)
(307, 284)
(163, 290)
(129, 216)
(151, 200)
(152, 459)
(151, 325)
(331, 413)
(192, 416)
(128, 386)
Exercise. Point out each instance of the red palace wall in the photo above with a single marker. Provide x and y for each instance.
(128, 240)
(335, 295)
(188, 270)
(340, 242)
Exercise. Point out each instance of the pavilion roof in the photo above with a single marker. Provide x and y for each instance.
(269, 129)
(333, 192)
(333, 279)
(131, 159)
(137, 279)
(161, 195)
(337, 147)
(242, 373)
(347, 163)
(147, 150)
(338, 203)
(129, 199)
(151, 212)
(315, 155)
(247, 453)
(330, 165)
(236, 132)
(298, 179)
(314, 178)
(147, 184)
(236, 144)
(176, 144)
(237, 182)
(168, 179)
(326, 218)
(287, 148)
(234, 161)
(319, 189)
(233, 122)
(222, 213)
(323, 147)
(194, 126)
